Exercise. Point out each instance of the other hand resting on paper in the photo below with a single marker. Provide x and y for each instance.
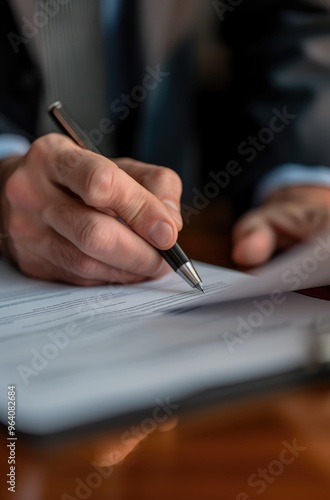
(59, 210)
(288, 216)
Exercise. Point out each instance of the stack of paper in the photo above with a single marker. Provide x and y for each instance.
(82, 355)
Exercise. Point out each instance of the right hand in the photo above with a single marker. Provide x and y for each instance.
(60, 206)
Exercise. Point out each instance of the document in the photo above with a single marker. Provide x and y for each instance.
(79, 355)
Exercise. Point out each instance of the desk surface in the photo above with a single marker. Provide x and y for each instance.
(271, 446)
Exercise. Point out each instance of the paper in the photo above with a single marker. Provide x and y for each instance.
(79, 355)
(306, 265)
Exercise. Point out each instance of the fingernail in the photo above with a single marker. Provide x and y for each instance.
(161, 234)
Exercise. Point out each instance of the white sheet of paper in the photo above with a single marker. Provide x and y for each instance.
(306, 265)
(77, 355)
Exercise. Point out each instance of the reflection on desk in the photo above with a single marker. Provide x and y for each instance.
(276, 445)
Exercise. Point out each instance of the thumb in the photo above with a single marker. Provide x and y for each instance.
(253, 245)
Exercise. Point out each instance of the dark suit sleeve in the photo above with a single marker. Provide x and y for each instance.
(278, 106)
(20, 82)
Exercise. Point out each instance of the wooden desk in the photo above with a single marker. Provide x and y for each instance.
(273, 446)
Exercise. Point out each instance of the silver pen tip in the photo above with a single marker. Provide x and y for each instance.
(200, 287)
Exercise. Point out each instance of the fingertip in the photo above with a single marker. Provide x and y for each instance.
(254, 248)
(162, 234)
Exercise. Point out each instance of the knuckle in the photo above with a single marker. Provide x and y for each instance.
(98, 184)
(13, 187)
(135, 211)
(38, 151)
(90, 235)
(85, 266)
(71, 261)
(62, 255)
(56, 151)
(66, 160)
(46, 149)
(168, 176)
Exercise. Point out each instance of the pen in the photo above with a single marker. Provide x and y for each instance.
(175, 256)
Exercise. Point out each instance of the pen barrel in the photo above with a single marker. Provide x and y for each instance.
(175, 257)
(67, 124)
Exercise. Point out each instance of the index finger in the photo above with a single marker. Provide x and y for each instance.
(163, 182)
(101, 184)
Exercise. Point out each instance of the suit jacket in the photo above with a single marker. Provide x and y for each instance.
(280, 65)
(20, 81)
(274, 111)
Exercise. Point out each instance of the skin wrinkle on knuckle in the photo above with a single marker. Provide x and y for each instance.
(84, 266)
(87, 230)
(72, 260)
(90, 235)
(69, 276)
(62, 213)
(171, 177)
(99, 185)
(135, 211)
(166, 178)
(62, 254)
(65, 161)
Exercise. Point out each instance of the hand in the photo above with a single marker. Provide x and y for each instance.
(60, 207)
(288, 216)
